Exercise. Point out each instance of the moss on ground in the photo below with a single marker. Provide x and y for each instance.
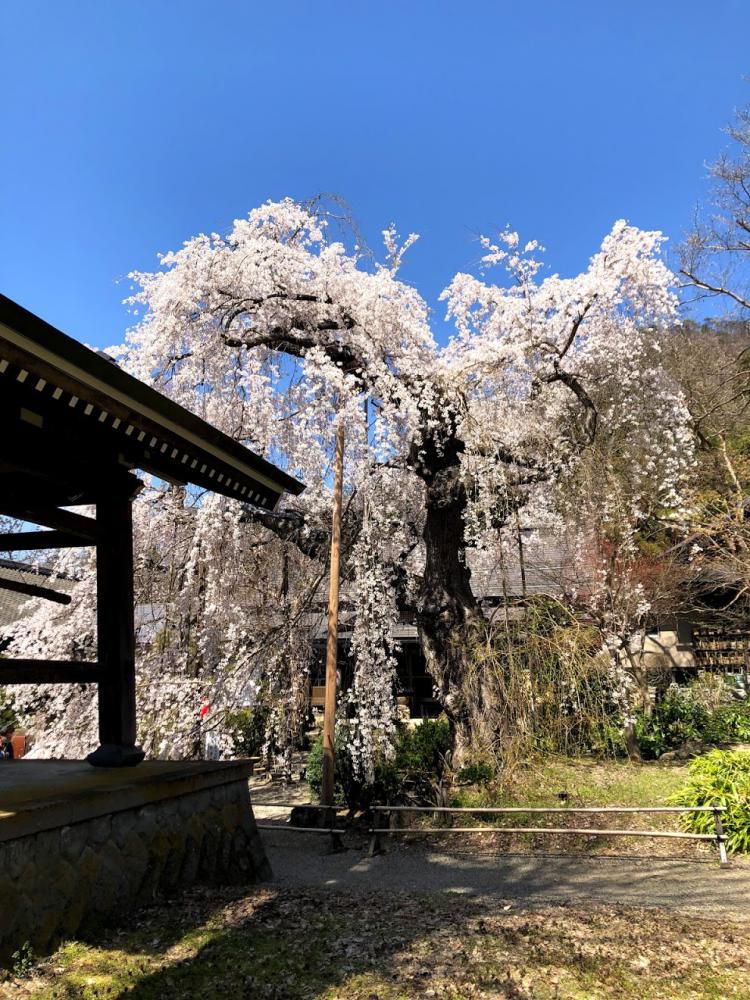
(325, 945)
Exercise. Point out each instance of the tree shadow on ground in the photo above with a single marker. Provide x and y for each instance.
(284, 944)
(361, 928)
(303, 945)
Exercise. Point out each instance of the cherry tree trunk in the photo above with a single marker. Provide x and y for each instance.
(447, 607)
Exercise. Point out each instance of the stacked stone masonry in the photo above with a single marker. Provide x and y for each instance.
(70, 879)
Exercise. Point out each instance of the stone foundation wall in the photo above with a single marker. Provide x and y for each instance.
(71, 878)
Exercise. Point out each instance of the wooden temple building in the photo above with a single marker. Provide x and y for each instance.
(76, 429)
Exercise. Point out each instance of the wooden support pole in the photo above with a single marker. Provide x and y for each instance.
(329, 716)
(116, 634)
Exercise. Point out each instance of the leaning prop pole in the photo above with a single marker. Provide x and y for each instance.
(329, 717)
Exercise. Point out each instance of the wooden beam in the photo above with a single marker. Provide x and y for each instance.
(32, 590)
(27, 541)
(84, 528)
(47, 672)
(22, 492)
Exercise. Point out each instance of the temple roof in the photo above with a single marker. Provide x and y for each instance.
(97, 420)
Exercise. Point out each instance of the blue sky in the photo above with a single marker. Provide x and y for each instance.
(128, 127)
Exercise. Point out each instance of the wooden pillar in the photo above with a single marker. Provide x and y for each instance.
(329, 717)
(116, 633)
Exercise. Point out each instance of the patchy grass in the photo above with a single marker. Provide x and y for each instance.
(540, 781)
(324, 945)
(586, 782)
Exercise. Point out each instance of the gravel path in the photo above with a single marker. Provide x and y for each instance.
(266, 796)
(301, 860)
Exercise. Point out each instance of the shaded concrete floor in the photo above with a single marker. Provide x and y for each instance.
(300, 860)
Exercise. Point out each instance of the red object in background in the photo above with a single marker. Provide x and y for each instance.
(204, 711)
(18, 741)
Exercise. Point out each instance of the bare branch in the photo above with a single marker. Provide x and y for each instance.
(590, 416)
(715, 289)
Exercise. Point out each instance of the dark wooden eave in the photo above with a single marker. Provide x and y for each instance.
(88, 408)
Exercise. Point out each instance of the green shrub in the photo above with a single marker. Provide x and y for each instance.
(729, 723)
(477, 773)
(682, 715)
(414, 772)
(314, 770)
(314, 766)
(719, 778)
(247, 729)
(673, 721)
(419, 764)
(348, 787)
(22, 961)
(652, 741)
(423, 748)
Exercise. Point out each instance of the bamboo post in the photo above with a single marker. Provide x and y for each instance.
(375, 837)
(337, 845)
(720, 840)
(329, 716)
(376, 846)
